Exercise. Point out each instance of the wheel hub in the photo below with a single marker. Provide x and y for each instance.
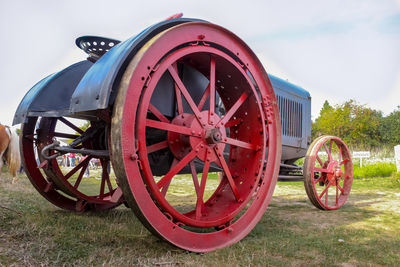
(334, 172)
(213, 136)
(207, 136)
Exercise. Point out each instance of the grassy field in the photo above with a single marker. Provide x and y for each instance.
(366, 231)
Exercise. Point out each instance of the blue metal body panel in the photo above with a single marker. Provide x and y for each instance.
(288, 87)
(97, 88)
(295, 112)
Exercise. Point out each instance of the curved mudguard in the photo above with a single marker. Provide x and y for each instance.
(51, 96)
(90, 89)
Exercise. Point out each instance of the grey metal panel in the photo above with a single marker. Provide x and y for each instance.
(295, 112)
(288, 87)
(51, 96)
(97, 89)
(23, 106)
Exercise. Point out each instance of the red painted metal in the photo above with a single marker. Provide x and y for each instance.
(199, 137)
(58, 183)
(328, 180)
(43, 186)
(87, 192)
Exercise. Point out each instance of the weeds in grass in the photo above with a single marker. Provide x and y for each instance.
(377, 169)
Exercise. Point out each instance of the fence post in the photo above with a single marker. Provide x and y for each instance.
(361, 155)
(397, 157)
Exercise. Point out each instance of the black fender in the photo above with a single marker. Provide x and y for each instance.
(51, 96)
(98, 87)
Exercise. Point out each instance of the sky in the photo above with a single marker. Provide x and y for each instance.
(337, 50)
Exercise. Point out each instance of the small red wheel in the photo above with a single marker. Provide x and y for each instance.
(197, 129)
(328, 173)
(96, 192)
(47, 176)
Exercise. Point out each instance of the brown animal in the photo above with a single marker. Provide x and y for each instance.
(9, 150)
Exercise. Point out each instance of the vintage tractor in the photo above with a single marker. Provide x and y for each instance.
(185, 127)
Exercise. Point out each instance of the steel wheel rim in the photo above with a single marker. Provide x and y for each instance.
(125, 116)
(61, 178)
(324, 174)
(41, 184)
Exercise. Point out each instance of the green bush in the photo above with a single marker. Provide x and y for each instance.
(377, 169)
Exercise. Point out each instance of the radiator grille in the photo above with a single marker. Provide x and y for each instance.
(291, 116)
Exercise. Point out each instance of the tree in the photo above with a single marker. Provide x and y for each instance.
(355, 124)
(326, 107)
(390, 128)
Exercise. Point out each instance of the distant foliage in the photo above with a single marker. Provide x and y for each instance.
(357, 125)
(390, 128)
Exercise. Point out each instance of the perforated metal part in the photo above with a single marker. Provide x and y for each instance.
(96, 46)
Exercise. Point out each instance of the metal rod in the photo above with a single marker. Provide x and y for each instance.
(290, 166)
(65, 149)
(291, 177)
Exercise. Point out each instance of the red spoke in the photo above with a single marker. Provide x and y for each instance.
(117, 195)
(65, 135)
(321, 170)
(239, 143)
(344, 161)
(157, 146)
(104, 177)
(74, 170)
(82, 172)
(165, 187)
(228, 174)
(325, 190)
(194, 178)
(184, 91)
(320, 161)
(200, 200)
(158, 114)
(337, 193)
(328, 152)
(326, 198)
(212, 89)
(340, 188)
(71, 125)
(318, 180)
(178, 93)
(340, 153)
(330, 148)
(233, 123)
(169, 127)
(204, 98)
(233, 109)
(109, 185)
(102, 185)
(177, 168)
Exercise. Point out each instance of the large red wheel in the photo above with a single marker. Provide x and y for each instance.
(228, 124)
(328, 173)
(47, 178)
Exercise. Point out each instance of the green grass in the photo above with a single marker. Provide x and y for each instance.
(377, 169)
(364, 232)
